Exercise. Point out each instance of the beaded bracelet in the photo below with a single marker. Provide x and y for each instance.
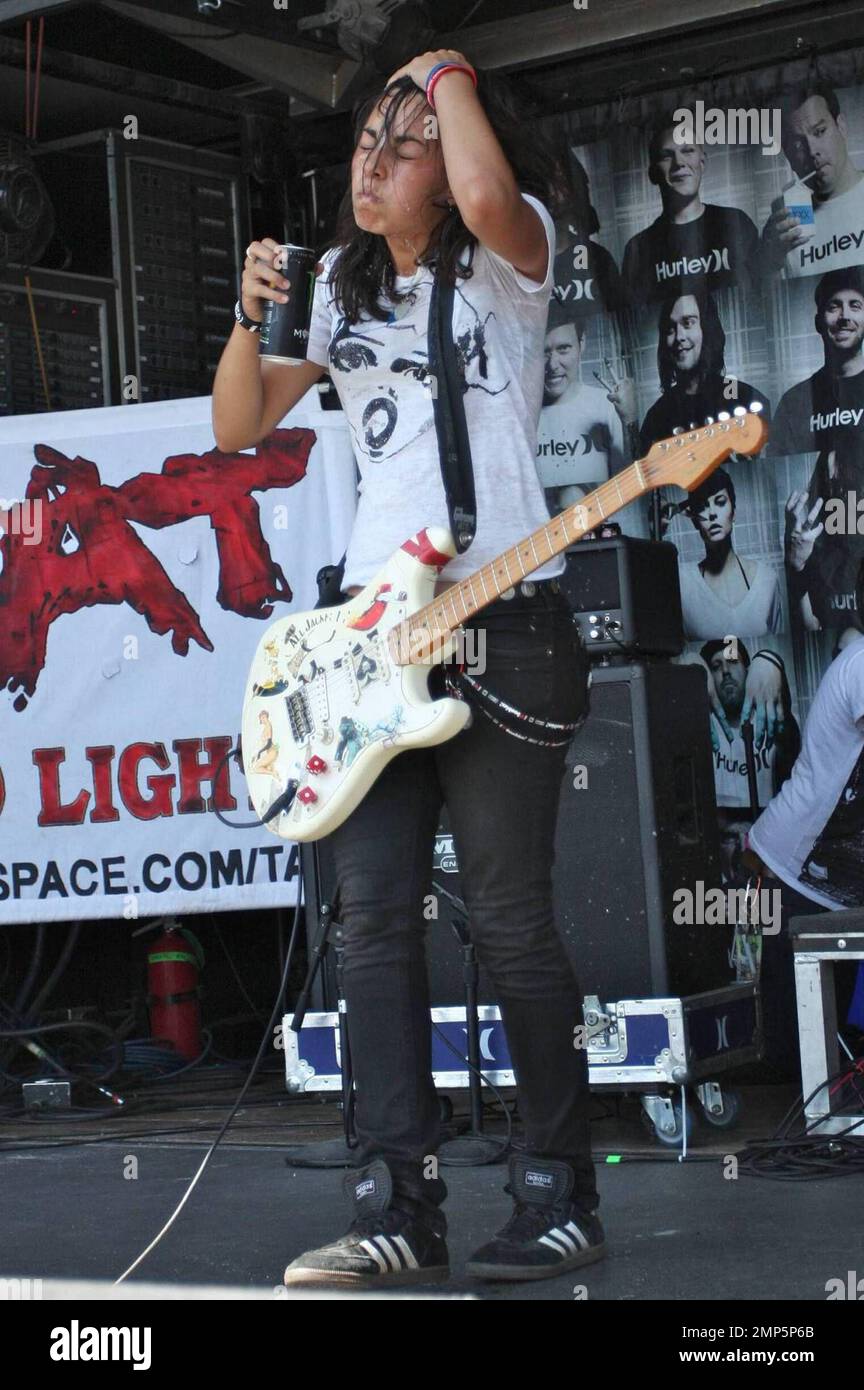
(439, 70)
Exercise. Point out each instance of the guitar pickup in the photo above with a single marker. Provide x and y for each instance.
(298, 716)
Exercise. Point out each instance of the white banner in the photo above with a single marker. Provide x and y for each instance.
(136, 577)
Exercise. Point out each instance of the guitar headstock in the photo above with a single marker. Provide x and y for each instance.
(685, 460)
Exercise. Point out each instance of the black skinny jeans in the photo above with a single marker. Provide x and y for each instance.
(502, 797)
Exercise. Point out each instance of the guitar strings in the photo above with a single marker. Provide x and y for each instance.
(646, 472)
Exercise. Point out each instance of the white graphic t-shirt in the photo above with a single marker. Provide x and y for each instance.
(580, 439)
(838, 238)
(380, 371)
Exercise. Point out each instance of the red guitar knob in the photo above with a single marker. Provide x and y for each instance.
(316, 764)
(307, 796)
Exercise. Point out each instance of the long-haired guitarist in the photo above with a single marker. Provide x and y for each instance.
(444, 168)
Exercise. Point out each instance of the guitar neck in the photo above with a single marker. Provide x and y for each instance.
(468, 596)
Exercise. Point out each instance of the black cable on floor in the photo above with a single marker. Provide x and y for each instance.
(806, 1156)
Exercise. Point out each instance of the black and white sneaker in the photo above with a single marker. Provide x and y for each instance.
(394, 1238)
(547, 1234)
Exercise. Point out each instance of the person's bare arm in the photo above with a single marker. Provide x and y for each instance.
(250, 397)
(478, 172)
(482, 181)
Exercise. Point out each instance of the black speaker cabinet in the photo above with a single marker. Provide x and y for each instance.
(637, 821)
(444, 956)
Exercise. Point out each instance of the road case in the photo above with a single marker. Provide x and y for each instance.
(646, 1046)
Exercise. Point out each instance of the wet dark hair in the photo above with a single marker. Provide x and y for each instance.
(712, 356)
(719, 481)
(718, 644)
(364, 268)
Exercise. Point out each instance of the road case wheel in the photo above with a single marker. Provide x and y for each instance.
(728, 1116)
(673, 1137)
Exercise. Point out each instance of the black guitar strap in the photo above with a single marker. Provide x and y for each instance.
(454, 447)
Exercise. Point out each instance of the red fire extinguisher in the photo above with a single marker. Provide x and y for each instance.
(173, 964)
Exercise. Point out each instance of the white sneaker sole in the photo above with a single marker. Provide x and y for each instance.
(308, 1276)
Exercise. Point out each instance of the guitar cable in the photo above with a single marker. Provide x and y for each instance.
(266, 1041)
(281, 803)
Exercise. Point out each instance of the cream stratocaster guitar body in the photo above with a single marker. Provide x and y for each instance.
(326, 704)
(335, 693)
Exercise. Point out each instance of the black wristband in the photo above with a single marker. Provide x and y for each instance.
(772, 657)
(253, 325)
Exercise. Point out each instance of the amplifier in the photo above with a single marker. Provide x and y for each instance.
(637, 821)
(167, 222)
(625, 596)
(77, 320)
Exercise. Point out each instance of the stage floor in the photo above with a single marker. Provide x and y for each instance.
(675, 1230)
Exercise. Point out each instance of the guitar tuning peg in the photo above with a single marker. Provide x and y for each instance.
(678, 430)
(739, 411)
(709, 419)
(724, 415)
(756, 407)
(693, 425)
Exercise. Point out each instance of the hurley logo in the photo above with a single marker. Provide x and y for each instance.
(834, 246)
(830, 419)
(538, 1179)
(366, 1189)
(716, 260)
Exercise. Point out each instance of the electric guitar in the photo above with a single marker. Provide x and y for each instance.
(335, 693)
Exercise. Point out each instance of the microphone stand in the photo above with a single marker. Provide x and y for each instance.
(472, 1146)
(328, 1153)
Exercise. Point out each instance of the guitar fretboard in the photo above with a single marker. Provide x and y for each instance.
(679, 460)
(468, 596)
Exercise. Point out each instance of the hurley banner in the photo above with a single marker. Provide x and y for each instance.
(139, 567)
(710, 258)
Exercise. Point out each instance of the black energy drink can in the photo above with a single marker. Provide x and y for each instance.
(285, 330)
